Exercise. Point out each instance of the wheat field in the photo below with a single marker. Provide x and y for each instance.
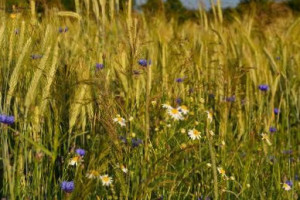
(112, 104)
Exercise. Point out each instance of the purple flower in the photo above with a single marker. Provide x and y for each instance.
(276, 111)
(67, 186)
(80, 152)
(136, 142)
(144, 62)
(230, 99)
(289, 152)
(278, 58)
(99, 66)
(179, 80)
(7, 119)
(263, 87)
(61, 30)
(36, 56)
(290, 183)
(296, 177)
(123, 139)
(178, 101)
(272, 129)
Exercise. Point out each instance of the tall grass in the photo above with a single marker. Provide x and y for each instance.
(62, 102)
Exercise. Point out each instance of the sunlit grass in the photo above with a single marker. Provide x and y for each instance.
(97, 81)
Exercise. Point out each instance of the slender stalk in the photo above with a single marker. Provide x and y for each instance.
(213, 161)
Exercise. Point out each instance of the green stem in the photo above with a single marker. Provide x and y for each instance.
(213, 162)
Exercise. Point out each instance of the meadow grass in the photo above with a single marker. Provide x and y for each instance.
(61, 102)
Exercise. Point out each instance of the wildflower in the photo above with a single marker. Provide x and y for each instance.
(106, 180)
(136, 142)
(169, 125)
(209, 116)
(230, 99)
(67, 186)
(156, 129)
(144, 62)
(248, 185)
(166, 105)
(266, 138)
(80, 152)
(223, 143)
(123, 139)
(5, 119)
(194, 134)
(99, 66)
(133, 135)
(13, 15)
(130, 118)
(287, 185)
(232, 178)
(175, 114)
(120, 120)
(211, 96)
(153, 103)
(179, 80)
(75, 160)
(221, 171)
(211, 133)
(182, 130)
(183, 109)
(202, 100)
(92, 174)
(276, 111)
(178, 101)
(272, 129)
(124, 169)
(208, 164)
(263, 87)
(183, 146)
(36, 56)
(61, 30)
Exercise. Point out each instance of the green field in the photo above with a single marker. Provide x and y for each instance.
(166, 110)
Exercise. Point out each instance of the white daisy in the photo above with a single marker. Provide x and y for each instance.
(120, 120)
(221, 171)
(92, 174)
(194, 134)
(106, 180)
(168, 106)
(286, 187)
(175, 114)
(183, 109)
(124, 169)
(75, 160)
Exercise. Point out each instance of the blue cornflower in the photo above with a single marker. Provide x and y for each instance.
(80, 152)
(136, 142)
(123, 139)
(272, 129)
(67, 186)
(289, 152)
(290, 183)
(36, 56)
(61, 30)
(276, 111)
(179, 80)
(144, 62)
(263, 87)
(7, 119)
(230, 99)
(178, 101)
(99, 66)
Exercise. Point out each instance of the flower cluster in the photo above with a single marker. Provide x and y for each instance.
(8, 120)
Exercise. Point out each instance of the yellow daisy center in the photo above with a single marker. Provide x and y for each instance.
(196, 133)
(119, 119)
(174, 111)
(75, 159)
(105, 179)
